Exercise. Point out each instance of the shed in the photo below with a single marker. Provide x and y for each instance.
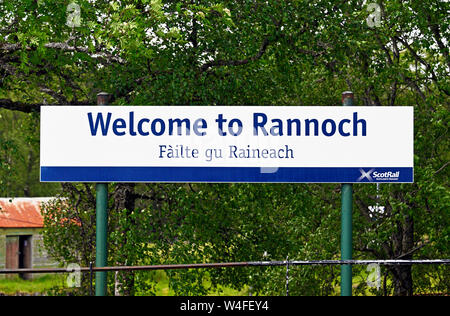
(21, 225)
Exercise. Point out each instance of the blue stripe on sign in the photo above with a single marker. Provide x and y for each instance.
(227, 174)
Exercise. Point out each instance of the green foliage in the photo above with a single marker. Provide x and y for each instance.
(238, 52)
(19, 156)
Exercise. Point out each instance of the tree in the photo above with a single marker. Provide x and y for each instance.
(249, 52)
(19, 156)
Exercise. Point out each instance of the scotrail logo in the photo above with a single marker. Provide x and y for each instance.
(365, 175)
(373, 175)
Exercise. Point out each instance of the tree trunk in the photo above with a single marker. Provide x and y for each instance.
(403, 283)
(124, 199)
(403, 243)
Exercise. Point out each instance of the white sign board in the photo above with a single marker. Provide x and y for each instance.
(226, 144)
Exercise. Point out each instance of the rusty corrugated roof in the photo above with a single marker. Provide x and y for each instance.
(21, 212)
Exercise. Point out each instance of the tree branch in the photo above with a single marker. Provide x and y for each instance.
(32, 107)
(262, 49)
(220, 62)
(423, 62)
(442, 168)
(57, 96)
(19, 106)
(410, 252)
(65, 47)
(437, 37)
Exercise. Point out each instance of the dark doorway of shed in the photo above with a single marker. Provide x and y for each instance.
(25, 255)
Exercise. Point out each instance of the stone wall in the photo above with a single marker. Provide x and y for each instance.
(40, 255)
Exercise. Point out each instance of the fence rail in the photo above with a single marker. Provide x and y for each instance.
(228, 265)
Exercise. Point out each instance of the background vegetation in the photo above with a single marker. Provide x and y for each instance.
(240, 52)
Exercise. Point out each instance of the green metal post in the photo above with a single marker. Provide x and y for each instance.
(346, 222)
(101, 249)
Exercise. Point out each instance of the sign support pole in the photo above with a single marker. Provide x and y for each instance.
(346, 222)
(101, 249)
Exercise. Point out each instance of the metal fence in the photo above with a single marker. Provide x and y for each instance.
(286, 263)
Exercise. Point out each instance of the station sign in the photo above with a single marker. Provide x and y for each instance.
(267, 144)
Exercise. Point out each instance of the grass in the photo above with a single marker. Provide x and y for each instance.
(41, 284)
(162, 287)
